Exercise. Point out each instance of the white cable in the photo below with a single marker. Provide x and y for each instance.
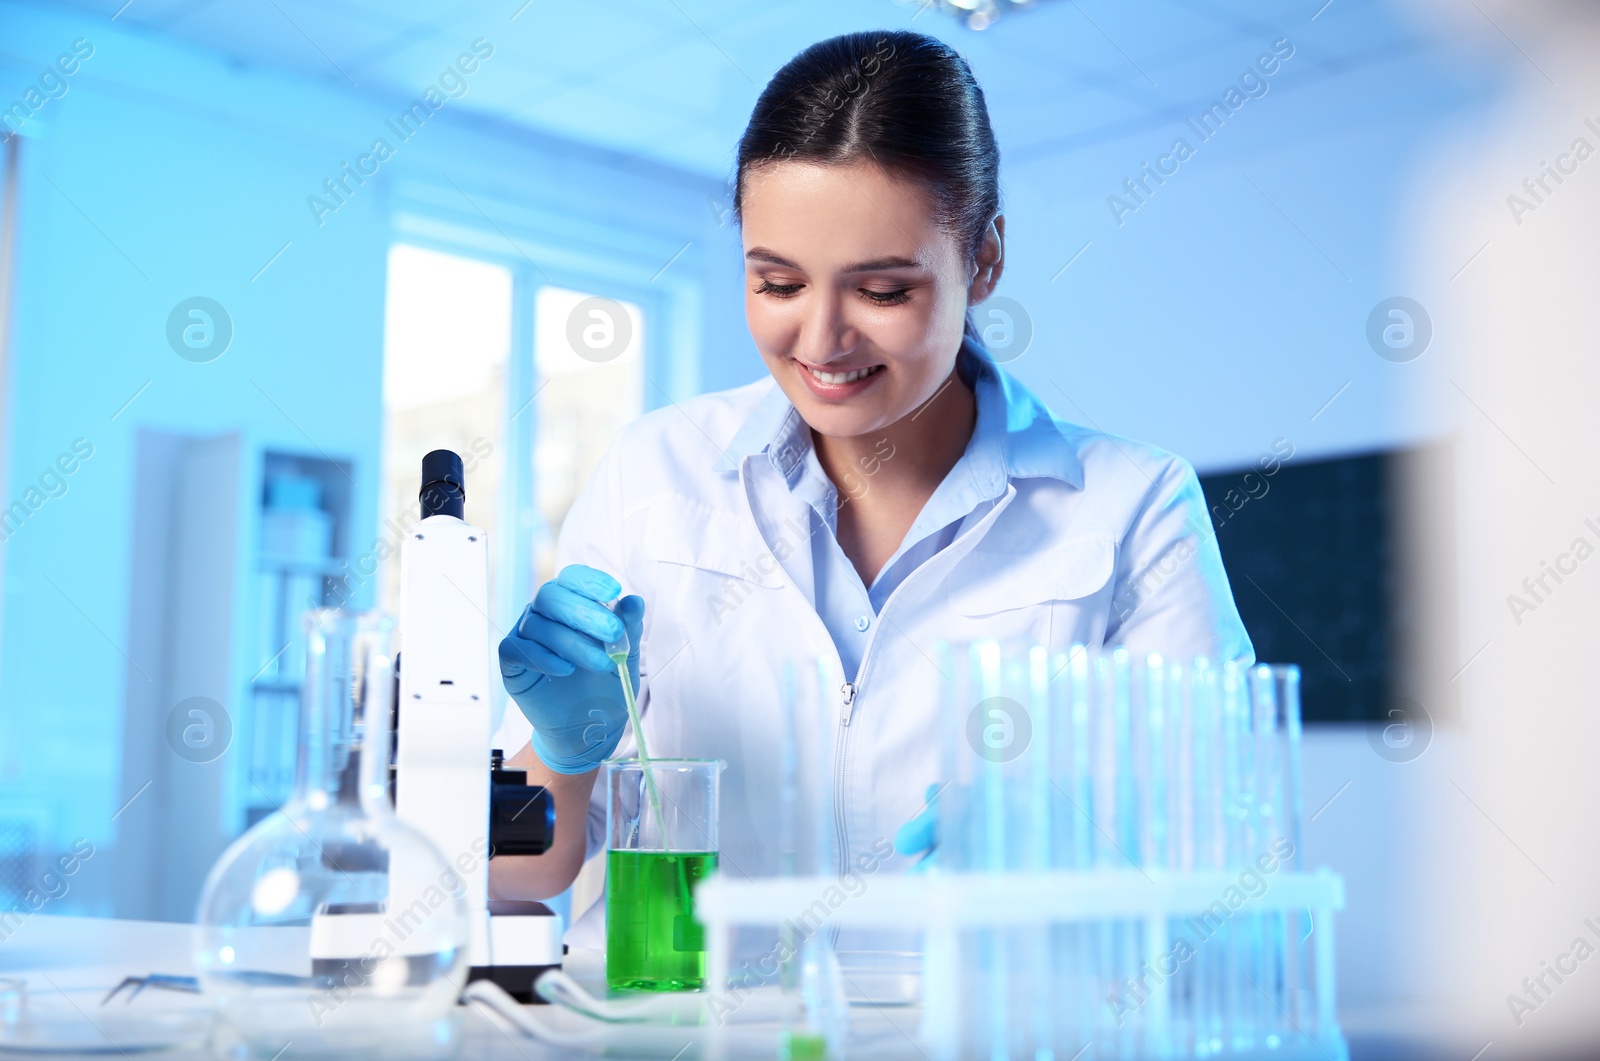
(559, 988)
(678, 1008)
(676, 1019)
(507, 1011)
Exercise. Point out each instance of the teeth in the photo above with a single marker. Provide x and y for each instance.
(843, 377)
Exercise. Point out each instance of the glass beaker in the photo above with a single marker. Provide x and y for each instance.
(330, 924)
(661, 818)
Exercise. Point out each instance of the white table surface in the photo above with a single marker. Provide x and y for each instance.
(79, 952)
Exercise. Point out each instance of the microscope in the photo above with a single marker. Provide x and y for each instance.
(446, 781)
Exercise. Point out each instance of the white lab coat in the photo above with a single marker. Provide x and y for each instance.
(1093, 539)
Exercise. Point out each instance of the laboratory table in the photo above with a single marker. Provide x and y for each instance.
(69, 954)
(72, 953)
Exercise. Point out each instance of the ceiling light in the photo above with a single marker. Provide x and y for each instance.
(976, 14)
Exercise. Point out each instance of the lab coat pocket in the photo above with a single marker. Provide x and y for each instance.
(711, 541)
(713, 598)
(989, 584)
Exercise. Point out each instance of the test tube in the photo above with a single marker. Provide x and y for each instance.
(1157, 767)
(1041, 792)
(1285, 684)
(809, 848)
(1040, 836)
(1103, 772)
(1119, 698)
(989, 664)
(1272, 959)
(991, 770)
(1070, 757)
(1209, 842)
(948, 972)
(1156, 717)
(1237, 811)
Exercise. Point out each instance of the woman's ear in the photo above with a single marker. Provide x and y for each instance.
(990, 262)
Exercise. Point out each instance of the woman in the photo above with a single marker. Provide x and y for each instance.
(888, 488)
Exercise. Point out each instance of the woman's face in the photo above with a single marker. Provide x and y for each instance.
(855, 295)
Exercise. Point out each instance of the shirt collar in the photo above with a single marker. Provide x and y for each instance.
(774, 424)
(1015, 435)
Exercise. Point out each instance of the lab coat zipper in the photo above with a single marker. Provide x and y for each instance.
(848, 692)
(852, 689)
(844, 718)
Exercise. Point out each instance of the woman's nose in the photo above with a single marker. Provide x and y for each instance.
(825, 334)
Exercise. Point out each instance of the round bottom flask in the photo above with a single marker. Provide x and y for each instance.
(331, 929)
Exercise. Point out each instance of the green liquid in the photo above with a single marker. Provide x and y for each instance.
(801, 1046)
(653, 942)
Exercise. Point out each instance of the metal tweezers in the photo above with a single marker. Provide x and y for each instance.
(191, 985)
(162, 981)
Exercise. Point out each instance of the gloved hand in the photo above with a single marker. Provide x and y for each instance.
(555, 667)
(920, 835)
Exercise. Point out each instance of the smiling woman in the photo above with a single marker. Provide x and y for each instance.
(888, 479)
(867, 237)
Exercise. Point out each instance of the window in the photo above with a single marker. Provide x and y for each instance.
(588, 353)
(447, 335)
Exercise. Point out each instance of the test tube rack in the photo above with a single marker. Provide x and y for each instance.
(1126, 882)
(1083, 965)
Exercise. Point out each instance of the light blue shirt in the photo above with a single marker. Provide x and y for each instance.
(790, 488)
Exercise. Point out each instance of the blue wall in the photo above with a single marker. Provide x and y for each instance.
(1229, 307)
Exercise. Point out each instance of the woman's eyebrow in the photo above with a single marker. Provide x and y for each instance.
(762, 254)
(893, 261)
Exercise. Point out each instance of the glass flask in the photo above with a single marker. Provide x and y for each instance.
(331, 925)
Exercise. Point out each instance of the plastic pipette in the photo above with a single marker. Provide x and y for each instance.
(618, 650)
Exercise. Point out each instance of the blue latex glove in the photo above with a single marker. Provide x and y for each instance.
(555, 667)
(920, 835)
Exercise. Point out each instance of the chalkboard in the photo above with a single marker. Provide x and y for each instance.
(1310, 552)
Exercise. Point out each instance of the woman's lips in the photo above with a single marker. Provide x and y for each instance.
(845, 387)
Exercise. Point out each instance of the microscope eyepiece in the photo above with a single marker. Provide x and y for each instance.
(444, 487)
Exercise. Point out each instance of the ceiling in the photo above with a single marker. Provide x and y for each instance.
(674, 80)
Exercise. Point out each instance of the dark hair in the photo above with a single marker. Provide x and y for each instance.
(902, 100)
